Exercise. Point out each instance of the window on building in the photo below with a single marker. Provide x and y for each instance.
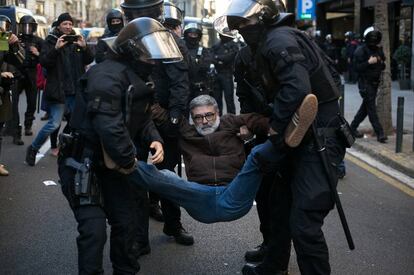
(40, 7)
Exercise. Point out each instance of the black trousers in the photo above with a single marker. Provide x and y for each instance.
(91, 227)
(170, 211)
(224, 84)
(28, 84)
(368, 91)
(263, 199)
(121, 201)
(299, 208)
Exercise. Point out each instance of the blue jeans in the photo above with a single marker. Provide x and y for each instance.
(56, 112)
(209, 204)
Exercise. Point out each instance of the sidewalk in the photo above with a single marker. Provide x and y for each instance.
(385, 153)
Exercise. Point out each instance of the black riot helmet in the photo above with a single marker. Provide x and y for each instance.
(27, 25)
(349, 35)
(173, 16)
(192, 34)
(5, 24)
(193, 28)
(145, 39)
(143, 8)
(115, 14)
(265, 12)
(372, 36)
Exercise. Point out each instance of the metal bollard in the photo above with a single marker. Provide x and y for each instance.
(400, 125)
(342, 100)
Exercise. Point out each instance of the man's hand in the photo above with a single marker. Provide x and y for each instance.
(34, 50)
(372, 60)
(7, 75)
(60, 42)
(158, 156)
(81, 42)
(245, 133)
(13, 39)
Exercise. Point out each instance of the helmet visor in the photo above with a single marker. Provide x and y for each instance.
(235, 13)
(159, 45)
(173, 15)
(26, 29)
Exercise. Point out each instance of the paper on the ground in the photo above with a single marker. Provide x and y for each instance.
(49, 182)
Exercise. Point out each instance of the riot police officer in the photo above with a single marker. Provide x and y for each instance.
(32, 45)
(200, 60)
(171, 93)
(290, 64)
(369, 62)
(111, 114)
(115, 23)
(224, 54)
(274, 251)
(330, 48)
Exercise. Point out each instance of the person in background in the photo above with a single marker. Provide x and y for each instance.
(224, 55)
(64, 61)
(6, 55)
(115, 23)
(369, 60)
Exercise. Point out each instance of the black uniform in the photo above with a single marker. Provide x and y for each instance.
(368, 82)
(113, 121)
(274, 188)
(171, 93)
(224, 55)
(26, 81)
(290, 64)
(200, 59)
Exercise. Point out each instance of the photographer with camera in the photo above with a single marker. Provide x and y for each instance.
(64, 55)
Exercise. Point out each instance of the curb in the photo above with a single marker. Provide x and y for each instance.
(385, 160)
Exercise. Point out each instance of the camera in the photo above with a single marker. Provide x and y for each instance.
(71, 38)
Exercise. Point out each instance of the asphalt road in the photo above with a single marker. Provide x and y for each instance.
(38, 231)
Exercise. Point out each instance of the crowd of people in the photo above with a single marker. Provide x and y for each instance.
(152, 92)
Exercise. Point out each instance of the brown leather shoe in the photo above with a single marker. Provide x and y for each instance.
(301, 121)
(3, 171)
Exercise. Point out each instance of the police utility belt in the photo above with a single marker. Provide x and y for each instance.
(79, 157)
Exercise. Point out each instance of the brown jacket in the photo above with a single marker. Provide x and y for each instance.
(216, 159)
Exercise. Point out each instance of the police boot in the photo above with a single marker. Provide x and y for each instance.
(17, 137)
(28, 131)
(155, 212)
(180, 235)
(31, 156)
(251, 269)
(257, 254)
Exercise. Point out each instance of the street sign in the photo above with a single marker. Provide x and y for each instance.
(306, 9)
